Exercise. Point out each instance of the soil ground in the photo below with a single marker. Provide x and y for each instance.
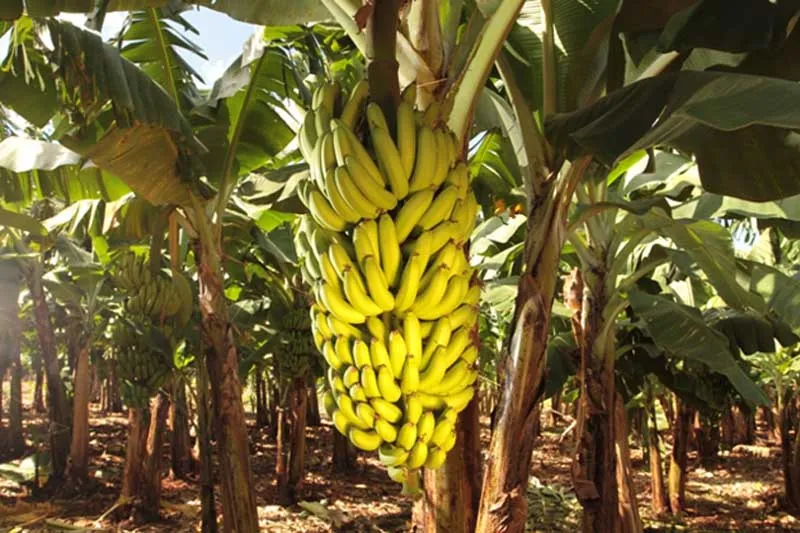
(739, 492)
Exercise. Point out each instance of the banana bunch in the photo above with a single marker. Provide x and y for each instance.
(296, 357)
(156, 297)
(382, 246)
(132, 271)
(141, 370)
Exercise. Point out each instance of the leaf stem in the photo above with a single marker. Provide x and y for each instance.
(384, 86)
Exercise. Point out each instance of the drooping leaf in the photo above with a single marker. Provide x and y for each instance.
(681, 330)
(781, 292)
(19, 154)
(739, 127)
(21, 221)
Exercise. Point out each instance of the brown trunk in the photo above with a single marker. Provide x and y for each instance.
(182, 462)
(743, 425)
(150, 485)
(727, 429)
(57, 404)
(38, 395)
(628, 509)
(208, 510)
(238, 496)
(262, 419)
(135, 452)
(344, 453)
(291, 442)
(79, 448)
(314, 419)
(555, 406)
(503, 503)
(706, 437)
(452, 493)
(678, 459)
(114, 396)
(771, 417)
(658, 503)
(15, 443)
(272, 411)
(669, 411)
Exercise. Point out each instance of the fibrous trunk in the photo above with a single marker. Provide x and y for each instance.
(238, 497)
(452, 493)
(208, 511)
(678, 459)
(658, 502)
(630, 520)
(344, 454)
(57, 405)
(79, 447)
(181, 449)
(291, 442)
(15, 444)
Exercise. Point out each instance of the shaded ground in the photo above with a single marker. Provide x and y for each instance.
(739, 493)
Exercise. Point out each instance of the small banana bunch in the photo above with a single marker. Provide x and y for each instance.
(383, 249)
(295, 359)
(141, 370)
(153, 296)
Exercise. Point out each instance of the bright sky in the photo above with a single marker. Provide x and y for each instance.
(220, 37)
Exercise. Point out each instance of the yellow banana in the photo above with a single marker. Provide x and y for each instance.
(338, 203)
(433, 293)
(409, 93)
(442, 332)
(352, 195)
(362, 243)
(442, 234)
(352, 107)
(473, 296)
(397, 352)
(361, 356)
(409, 284)
(320, 320)
(334, 301)
(330, 355)
(409, 379)
(354, 147)
(370, 382)
(390, 391)
(340, 259)
(351, 376)
(374, 191)
(335, 381)
(434, 371)
(440, 208)
(427, 328)
(389, 160)
(341, 328)
(407, 436)
(430, 349)
(421, 247)
(425, 163)
(308, 135)
(456, 289)
(430, 402)
(443, 159)
(329, 274)
(450, 442)
(380, 355)
(356, 294)
(436, 458)
(319, 340)
(392, 455)
(465, 315)
(458, 176)
(411, 212)
(377, 285)
(412, 334)
(357, 394)
(389, 249)
(387, 410)
(470, 377)
(459, 400)
(323, 212)
(449, 414)
(341, 422)
(460, 341)
(366, 413)
(406, 137)
(451, 380)
(376, 328)
(417, 455)
(370, 227)
(468, 224)
(387, 431)
(413, 409)
(398, 474)
(346, 407)
(368, 441)
(425, 427)
(322, 118)
(329, 403)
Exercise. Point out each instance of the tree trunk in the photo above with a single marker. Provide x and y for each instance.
(344, 453)
(58, 407)
(150, 485)
(628, 508)
(678, 459)
(706, 437)
(262, 418)
(233, 451)
(15, 444)
(452, 492)
(669, 411)
(182, 462)
(79, 447)
(555, 407)
(272, 411)
(208, 510)
(291, 442)
(791, 480)
(658, 503)
(135, 452)
(727, 429)
(114, 396)
(314, 419)
(38, 395)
